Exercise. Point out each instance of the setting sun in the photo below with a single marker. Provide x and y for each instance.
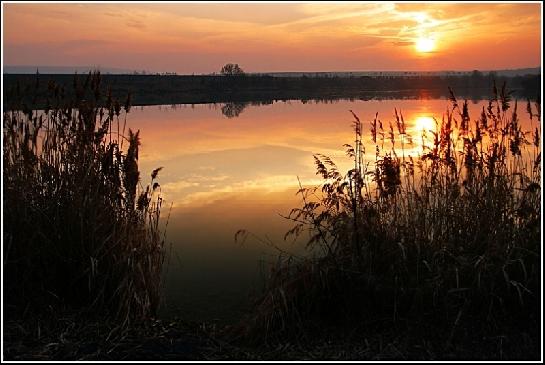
(424, 123)
(425, 44)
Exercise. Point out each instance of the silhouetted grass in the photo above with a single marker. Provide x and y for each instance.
(440, 238)
(80, 231)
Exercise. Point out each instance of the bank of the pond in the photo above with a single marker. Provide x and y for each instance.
(200, 89)
(72, 339)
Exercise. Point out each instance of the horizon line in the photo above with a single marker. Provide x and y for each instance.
(94, 67)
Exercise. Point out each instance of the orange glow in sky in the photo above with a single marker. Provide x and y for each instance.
(425, 45)
(200, 38)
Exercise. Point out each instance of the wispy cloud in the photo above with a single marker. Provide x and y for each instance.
(136, 24)
(269, 37)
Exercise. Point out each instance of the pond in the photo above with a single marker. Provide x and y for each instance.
(232, 167)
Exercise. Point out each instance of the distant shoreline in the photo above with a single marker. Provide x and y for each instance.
(70, 70)
(174, 89)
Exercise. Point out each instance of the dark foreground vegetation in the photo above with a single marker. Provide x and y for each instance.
(171, 89)
(425, 253)
(80, 231)
(441, 245)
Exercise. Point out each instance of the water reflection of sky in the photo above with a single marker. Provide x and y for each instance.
(223, 174)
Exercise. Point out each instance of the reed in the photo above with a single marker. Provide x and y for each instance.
(80, 231)
(444, 232)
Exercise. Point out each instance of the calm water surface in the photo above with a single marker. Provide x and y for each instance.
(224, 174)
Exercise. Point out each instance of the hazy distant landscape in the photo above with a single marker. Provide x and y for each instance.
(365, 184)
(70, 70)
(174, 89)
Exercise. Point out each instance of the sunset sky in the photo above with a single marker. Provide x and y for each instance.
(200, 38)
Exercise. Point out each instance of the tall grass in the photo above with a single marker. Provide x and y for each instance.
(432, 228)
(80, 231)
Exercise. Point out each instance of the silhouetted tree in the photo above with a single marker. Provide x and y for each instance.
(232, 110)
(231, 69)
